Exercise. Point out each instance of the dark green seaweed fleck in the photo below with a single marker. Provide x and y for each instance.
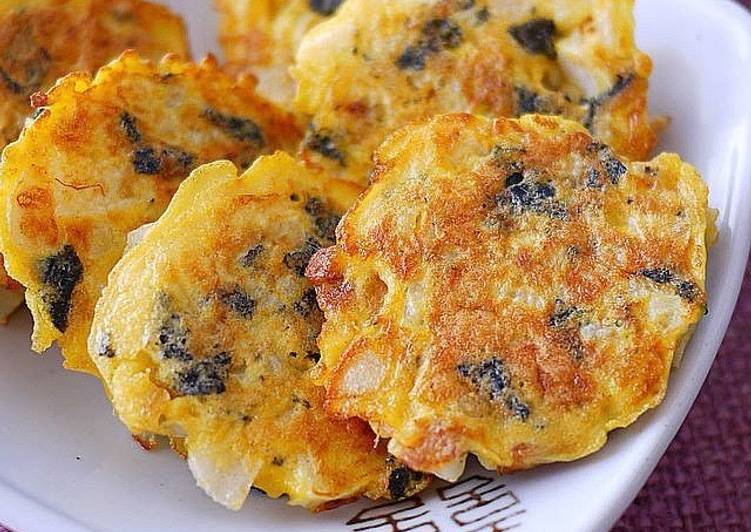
(103, 346)
(61, 273)
(307, 304)
(325, 221)
(250, 257)
(687, 290)
(614, 168)
(562, 314)
(514, 179)
(129, 127)
(323, 142)
(400, 481)
(146, 161)
(531, 196)
(622, 82)
(519, 409)
(173, 339)
(204, 377)
(594, 178)
(413, 58)
(301, 401)
(658, 275)
(442, 33)
(664, 276)
(482, 15)
(527, 101)
(298, 260)
(491, 378)
(239, 302)
(243, 129)
(490, 375)
(324, 7)
(39, 111)
(436, 35)
(536, 36)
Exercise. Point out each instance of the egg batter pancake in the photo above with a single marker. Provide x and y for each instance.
(376, 66)
(206, 331)
(262, 36)
(104, 156)
(512, 289)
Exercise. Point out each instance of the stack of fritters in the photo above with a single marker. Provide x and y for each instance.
(43, 40)
(104, 156)
(508, 287)
(376, 66)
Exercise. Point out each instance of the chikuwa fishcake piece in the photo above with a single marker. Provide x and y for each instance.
(512, 289)
(262, 36)
(377, 66)
(43, 40)
(206, 332)
(102, 157)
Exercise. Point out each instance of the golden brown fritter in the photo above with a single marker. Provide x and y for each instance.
(43, 40)
(103, 157)
(206, 331)
(512, 289)
(376, 66)
(262, 36)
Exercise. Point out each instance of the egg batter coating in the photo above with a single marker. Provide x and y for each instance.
(512, 289)
(262, 36)
(103, 157)
(376, 66)
(43, 40)
(207, 328)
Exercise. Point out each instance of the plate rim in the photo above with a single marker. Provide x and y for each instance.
(739, 16)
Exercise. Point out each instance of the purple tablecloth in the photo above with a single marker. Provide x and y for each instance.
(704, 480)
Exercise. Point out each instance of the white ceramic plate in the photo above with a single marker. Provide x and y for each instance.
(66, 464)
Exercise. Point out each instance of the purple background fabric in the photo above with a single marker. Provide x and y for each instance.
(704, 480)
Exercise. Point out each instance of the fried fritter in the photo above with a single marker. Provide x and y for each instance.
(512, 289)
(103, 157)
(376, 66)
(43, 40)
(207, 328)
(262, 36)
